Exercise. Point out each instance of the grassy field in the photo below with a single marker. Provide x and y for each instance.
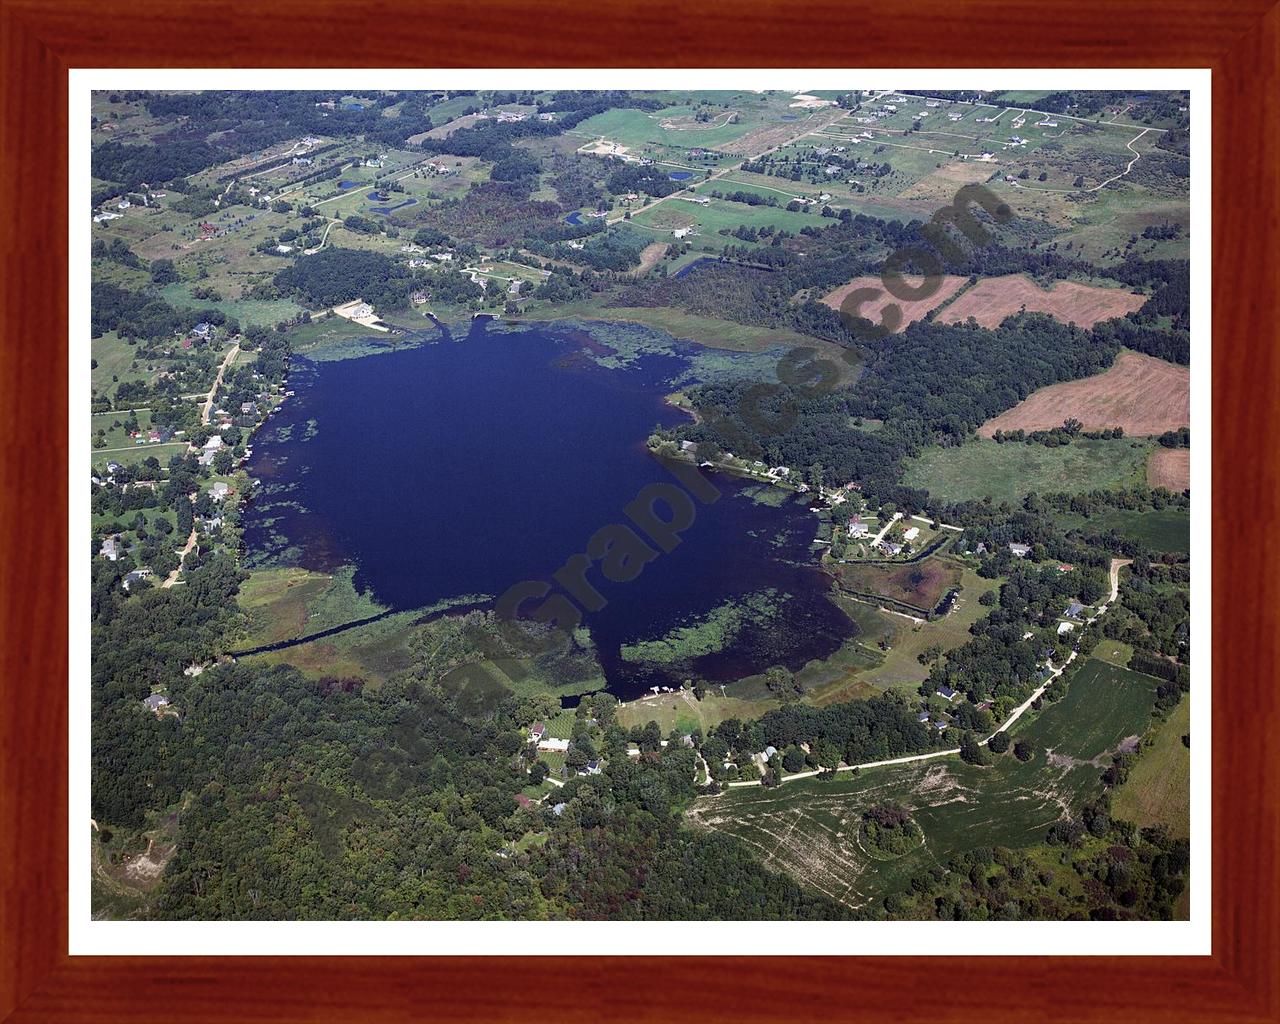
(1158, 790)
(685, 712)
(640, 129)
(809, 828)
(1113, 652)
(247, 311)
(1166, 530)
(1007, 472)
(131, 455)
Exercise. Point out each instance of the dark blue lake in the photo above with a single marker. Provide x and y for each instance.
(466, 466)
(574, 218)
(680, 175)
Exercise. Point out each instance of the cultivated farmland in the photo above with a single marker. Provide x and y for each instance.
(991, 300)
(1140, 393)
(1161, 530)
(911, 310)
(1171, 468)
(809, 828)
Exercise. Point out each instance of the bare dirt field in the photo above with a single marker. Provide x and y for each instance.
(1142, 394)
(1170, 467)
(948, 179)
(649, 257)
(911, 311)
(990, 301)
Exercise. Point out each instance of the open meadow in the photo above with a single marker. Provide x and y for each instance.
(1008, 472)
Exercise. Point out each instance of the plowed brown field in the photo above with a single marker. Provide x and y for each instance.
(911, 311)
(1142, 394)
(1170, 467)
(990, 301)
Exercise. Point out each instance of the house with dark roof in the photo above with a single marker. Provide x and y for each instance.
(135, 577)
(1074, 609)
(946, 693)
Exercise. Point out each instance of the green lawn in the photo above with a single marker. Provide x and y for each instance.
(809, 828)
(1007, 472)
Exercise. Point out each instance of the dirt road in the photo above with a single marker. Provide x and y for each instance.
(207, 409)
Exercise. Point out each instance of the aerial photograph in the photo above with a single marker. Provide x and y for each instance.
(638, 505)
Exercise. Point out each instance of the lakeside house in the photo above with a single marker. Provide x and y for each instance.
(219, 491)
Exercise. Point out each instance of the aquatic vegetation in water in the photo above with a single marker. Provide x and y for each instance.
(713, 632)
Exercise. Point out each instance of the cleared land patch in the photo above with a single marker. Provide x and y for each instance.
(995, 298)
(1171, 468)
(1158, 790)
(1140, 393)
(920, 585)
(911, 310)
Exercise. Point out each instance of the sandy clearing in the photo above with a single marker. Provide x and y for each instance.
(1140, 393)
(948, 178)
(1170, 467)
(993, 299)
(911, 311)
(650, 255)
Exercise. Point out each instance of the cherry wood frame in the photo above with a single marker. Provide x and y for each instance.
(41, 39)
